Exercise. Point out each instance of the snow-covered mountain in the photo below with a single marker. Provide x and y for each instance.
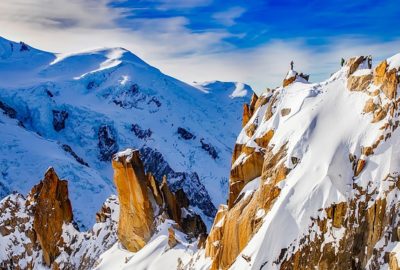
(314, 180)
(73, 112)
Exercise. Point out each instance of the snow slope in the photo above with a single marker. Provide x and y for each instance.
(73, 111)
(326, 123)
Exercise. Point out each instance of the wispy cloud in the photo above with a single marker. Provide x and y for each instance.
(229, 16)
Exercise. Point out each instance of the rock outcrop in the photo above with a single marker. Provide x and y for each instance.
(51, 209)
(248, 109)
(107, 142)
(135, 225)
(360, 82)
(363, 222)
(136, 191)
(386, 79)
(40, 230)
(293, 76)
(59, 119)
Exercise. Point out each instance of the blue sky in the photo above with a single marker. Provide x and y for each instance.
(196, 40)
(257, 22)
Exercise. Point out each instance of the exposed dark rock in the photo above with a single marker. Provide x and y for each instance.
(177, 207)
(91, 85)
(209, 148)
(107, 142)
(185, 134)
(23, 47)
(155, 101)
(59, 118)
(134, 89)
(193, 225)
(141, 133)
(181, 198)
(10, 112)
(129, 98)
(49, 93)
(69, 150)
(190, 183)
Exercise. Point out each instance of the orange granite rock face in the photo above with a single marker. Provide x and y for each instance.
(363, 223)
(155, 189)
(51, 208)
(136, 213)
(243, 172)
(288, 81)
(235, 225)
(248, 109)
(136, 191)
(359, 83)
(171, 205)
(237, 222)
(353, 64)
(387, 79)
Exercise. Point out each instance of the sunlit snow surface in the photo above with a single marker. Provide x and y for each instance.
(111, 87)
(326, 124)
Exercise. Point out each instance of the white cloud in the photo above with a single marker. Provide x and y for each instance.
(229, 16)
(168, 44)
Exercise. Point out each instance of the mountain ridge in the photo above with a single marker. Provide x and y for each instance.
(84, 109)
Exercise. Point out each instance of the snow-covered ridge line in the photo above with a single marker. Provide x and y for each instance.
(327, 158)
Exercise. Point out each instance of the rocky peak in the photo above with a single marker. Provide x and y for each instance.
(136, 191)
(51, 209)
(136, 213)
(293, 76)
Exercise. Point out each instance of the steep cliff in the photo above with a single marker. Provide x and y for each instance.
(314, 180)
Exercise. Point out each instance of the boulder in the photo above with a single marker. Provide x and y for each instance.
(172, 242)
(369, 106)
(285, 111)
